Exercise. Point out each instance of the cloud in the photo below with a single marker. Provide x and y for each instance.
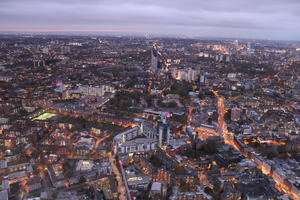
(274, 19)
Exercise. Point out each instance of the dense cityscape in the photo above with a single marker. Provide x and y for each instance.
(111, 117)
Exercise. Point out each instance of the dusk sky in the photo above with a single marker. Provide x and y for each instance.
(265, 19)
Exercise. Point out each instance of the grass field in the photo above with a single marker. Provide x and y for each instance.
(44, 116)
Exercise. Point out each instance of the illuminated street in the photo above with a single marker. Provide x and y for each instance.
(121, 186)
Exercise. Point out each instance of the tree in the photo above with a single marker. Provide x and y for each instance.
(179, 170)
(178, 118)
(282, 149)
(210, 147)
(148, 99)
(181, 89)
(82, 179)
(67, 170)
(227, 115)
(160, 103)
(155, 161)
(217, 189)
(270, 152)
(172, 104)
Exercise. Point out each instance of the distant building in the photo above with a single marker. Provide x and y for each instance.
(154, 61)
(156, 190)
(94, 90)
(235, 114)
(202, 80)
(185, 74)
(199, 194)
(137, 145)
(84, 165)
(125, 136)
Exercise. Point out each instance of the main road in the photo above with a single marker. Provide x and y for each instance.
(121, 186)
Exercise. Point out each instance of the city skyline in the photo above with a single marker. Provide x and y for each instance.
(138, 118)
(149, 100)
(275, 20)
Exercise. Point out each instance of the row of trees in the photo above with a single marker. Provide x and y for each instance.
(182, 89)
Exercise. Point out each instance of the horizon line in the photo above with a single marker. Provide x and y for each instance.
(120, 31)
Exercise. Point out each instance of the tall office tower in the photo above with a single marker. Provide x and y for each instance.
(236, 42)
(217, 58)
(160, 136)
(192, 75)
(249, 46)
(65, 49)
(154, 60)
(164, 130)
(221, 58)
(202, 80)
(227, 58)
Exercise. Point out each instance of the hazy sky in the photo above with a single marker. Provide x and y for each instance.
(267, 19)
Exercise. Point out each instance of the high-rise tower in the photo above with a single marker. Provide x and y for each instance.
(164, 130)
(154, 60)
